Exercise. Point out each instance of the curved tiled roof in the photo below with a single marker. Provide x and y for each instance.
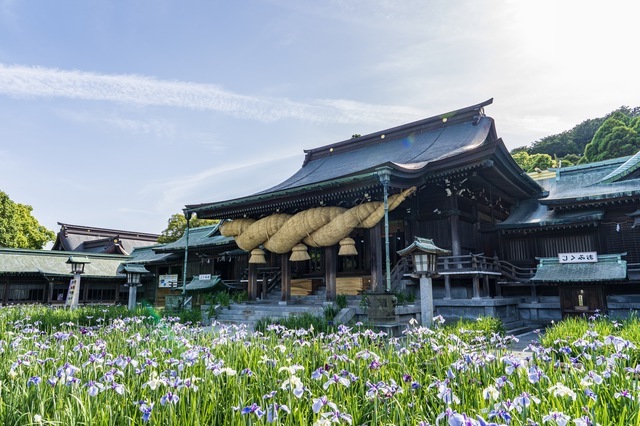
(408, 149)
(54, 263)
(629, 166)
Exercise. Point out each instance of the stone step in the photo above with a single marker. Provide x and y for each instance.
(518, 331)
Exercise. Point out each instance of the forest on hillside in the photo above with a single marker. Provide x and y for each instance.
(617, 134)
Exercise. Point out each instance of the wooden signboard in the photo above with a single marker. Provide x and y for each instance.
(71, 294)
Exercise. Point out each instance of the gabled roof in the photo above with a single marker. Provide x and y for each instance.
(608, 268)
(577, 195)
(532, 215)
(438, 145)
(54, 263)
(593, 183)
(201, 237)
(148, 255)
(405, 148)
(89, 239)
(626, 170)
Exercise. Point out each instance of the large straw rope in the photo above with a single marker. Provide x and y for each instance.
(317, 227)
(365, 215)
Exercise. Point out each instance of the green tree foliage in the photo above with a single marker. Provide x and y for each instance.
(530, 163)
(176, 225)
(570, 160)
(18, 228)
(568, 144)
(619, 136)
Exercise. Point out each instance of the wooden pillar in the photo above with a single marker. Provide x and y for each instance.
(330, 268)
(455, 228)
(485, 287)
(5, 299)
(534, 294)
(447, 287)
(85, 292)
(476, 287)
(49, 290)
(285, 278)
(498, 290)
(377, 257)
(252, 281)
(265, 286)
(447, 281)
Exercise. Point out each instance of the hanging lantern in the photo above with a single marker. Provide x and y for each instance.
(347, 247)
(299, 253)
(257, 256)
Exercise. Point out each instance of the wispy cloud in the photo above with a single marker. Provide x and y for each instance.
(160, 128)
(30, 82)
(181, 190)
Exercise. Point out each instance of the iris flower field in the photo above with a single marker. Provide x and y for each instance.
(104, 369)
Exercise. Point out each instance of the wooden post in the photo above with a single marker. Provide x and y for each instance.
(252, 281)
(375, 244)
(498, 290)
(455, 228)
(485, 287)
(330, 268)
(447, 280)
(447, 287)
(476, 287)
(265, 285)
(49, 289)
(285, 279)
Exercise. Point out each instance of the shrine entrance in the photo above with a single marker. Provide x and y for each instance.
(582, 300)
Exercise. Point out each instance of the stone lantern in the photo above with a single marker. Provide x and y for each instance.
(425, 264)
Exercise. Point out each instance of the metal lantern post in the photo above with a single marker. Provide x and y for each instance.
(425, 264)
(77, 269)
(384, 174)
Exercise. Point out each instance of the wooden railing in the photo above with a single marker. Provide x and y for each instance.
(271, 276)
(467, 263)
(472, 263)
(399, 271)
(514, 272)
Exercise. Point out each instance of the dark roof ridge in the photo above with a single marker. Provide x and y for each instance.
(89, 230)
(460, 115)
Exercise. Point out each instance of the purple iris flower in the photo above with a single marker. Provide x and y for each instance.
(253, 408)
(170, 397)
(34, 380)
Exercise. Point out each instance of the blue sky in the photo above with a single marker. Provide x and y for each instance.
(116, 114)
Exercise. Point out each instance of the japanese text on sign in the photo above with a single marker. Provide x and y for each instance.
(583, 257)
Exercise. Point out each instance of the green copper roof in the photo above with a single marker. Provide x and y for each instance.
(197, 284)
(46, 262)
(608, 268)
(629, 166)
(423, 245)
(204, 236)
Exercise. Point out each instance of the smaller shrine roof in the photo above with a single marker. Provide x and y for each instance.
(608, 268)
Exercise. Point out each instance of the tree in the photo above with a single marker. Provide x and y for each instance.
(530, 163)
(18, 228)
(176, 225)
(522, 159)
(573, 142)
(619, 136)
